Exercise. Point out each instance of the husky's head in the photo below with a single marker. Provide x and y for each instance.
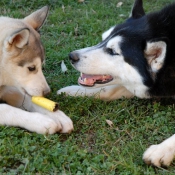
(22, 54)
(127, 56)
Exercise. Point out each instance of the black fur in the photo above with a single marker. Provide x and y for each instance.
(137, 31)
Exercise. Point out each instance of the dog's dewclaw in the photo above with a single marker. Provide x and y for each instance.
(45, 103)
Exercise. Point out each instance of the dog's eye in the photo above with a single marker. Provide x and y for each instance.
(32, 68)
(111, 51)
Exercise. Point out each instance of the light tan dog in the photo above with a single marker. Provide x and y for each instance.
(21, 59)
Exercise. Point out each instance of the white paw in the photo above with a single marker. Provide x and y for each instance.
(66, 90)
(65, 122)
(159, 155)
(72, 91)
(41, 124)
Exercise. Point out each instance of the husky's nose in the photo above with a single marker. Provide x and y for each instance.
(73, 57)
(46, 91)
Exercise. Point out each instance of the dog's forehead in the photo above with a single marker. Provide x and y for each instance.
(107, 33)
(131, 28)
(35, 61)
(34, 52)
(114, 41)
(114, 35)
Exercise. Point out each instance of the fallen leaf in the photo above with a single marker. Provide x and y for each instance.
(63, 8)
(80, 0)
(122, 15)
(119, 4)
(109, 122)
(63, 67)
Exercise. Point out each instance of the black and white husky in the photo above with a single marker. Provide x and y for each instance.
(136, 58)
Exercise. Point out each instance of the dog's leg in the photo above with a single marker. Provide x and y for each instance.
(13, 97)
(161, 154)
(34, 122)
(58, 116)
(106, 93)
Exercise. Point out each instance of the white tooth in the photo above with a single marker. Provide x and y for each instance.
(85, 80)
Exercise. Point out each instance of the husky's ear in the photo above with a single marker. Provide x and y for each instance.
(37, 18)
(155, 53)
(137, 10)
(18, 39)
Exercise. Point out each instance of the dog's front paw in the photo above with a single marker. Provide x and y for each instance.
(159, 155)
(41, 124)
(72, 91)
(63, 120)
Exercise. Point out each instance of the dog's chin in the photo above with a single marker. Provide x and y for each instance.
(25, 91)
(94, 81)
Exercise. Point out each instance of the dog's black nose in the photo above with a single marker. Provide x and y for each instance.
(46, 91)
(73, 57)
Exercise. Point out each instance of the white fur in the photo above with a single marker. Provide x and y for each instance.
(107, 33)
(20, 49)
(106, 93)
(161, 154)
(37, 120)
(95, 61)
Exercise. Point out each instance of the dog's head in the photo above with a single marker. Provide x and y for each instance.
(22, 54)
(127, 56)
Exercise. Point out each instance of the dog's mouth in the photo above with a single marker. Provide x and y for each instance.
(91, 80)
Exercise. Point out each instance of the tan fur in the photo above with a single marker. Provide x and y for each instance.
(21, 76)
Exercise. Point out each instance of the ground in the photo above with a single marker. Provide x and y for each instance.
(94, 147)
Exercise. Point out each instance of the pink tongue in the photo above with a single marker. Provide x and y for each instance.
(89, 80)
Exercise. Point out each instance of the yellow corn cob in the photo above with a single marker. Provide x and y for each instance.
(45, 103)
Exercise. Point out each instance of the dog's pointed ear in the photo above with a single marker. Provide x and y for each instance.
(155, 54)
(37, 18)
(137, 10)
(18, 39)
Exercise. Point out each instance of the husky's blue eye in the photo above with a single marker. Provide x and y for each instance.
(111, 51)
(32, 68)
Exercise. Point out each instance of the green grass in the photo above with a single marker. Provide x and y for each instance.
(94, 148)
